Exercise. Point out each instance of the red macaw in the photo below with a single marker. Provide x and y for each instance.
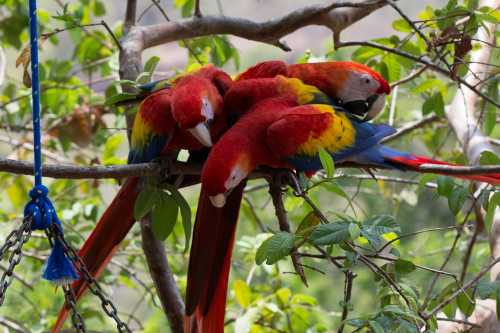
(276, 132)
(189, 115)
(214, 230)
(353, 86)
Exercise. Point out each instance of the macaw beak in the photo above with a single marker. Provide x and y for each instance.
(218, 200)
(202, 133)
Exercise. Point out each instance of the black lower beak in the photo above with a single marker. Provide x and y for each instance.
(360, 108)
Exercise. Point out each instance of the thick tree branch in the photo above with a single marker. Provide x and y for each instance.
(336, 16)
(162, 276)
(181, 168)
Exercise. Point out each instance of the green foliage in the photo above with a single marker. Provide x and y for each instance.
(78, 71)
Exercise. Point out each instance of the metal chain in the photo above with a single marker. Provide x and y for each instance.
(108, 307)
(76, 317)
(15, 240)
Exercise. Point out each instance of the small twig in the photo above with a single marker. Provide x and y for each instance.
(256, 217)
(277, 197)
(130, 15)
(464, 288)
(197, 10)
(411, 127)
(413, 234)
(410, 77)
(441, 268)
(421, 60)
(459, 321)
(348, 280)
(112, 34)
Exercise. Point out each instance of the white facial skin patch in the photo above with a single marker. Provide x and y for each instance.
(237, 175)
(360, 86)
(207, 109)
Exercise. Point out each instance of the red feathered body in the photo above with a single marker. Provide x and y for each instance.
(156, 132)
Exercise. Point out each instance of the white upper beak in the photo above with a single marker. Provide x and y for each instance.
(202, 134)
(218, 200)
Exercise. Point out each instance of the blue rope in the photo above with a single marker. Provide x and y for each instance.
(58, 268)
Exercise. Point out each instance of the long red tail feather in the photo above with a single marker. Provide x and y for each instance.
(210, 263)
(103, 242)
(414, 162)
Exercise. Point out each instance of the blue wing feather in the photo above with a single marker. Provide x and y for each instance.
(149, 152)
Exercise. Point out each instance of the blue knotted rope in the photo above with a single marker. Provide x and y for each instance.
(58, 267)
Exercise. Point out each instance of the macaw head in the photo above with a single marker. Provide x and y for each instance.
(356, 87)
(225, 168)
(196, 103)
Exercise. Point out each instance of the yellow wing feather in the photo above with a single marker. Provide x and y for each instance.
(339, 135)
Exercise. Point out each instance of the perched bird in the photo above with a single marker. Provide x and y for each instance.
(351, 85)
(214, 229)
(188, 115)
(275, 129)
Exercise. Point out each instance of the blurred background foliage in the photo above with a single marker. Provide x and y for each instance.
(79, 68)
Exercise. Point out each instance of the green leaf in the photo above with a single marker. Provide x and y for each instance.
(164, 216)
(445, 186)
(393, 67)
(401, 25)
(354, 230)
(303, 299)
(435, 104)
(490, 113)
(121, 97)
(404, 266)
(331, 233)
(151, 64)
(145, 202)
(326, 162)
(493, 204)
(487, 289)
(376, 327)
(185, 212)
(457, 198)
(381, 224)
(335, 188)
(242, 293)
(464, 303)
(310, 221)
(489, 158)
(275, 248)
(498, 304)
(283, 296)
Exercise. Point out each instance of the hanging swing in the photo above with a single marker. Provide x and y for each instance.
(63, 264)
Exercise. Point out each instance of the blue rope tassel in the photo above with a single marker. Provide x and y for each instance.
(58, 268)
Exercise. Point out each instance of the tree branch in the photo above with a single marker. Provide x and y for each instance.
(336, 16)
(181, 168)
(162, 276)
(275, 189)
(411, 127)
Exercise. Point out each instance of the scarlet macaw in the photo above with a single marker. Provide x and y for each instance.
(189, 115)
(355, 87)
(275, 132)
(214, 230)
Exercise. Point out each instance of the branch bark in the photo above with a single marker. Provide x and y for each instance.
(163, 278)
(336, 16)
(181, 168)
(463, 121)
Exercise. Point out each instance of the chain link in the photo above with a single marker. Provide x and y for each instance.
(15, 240)
(76, 317)
(108, 307)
